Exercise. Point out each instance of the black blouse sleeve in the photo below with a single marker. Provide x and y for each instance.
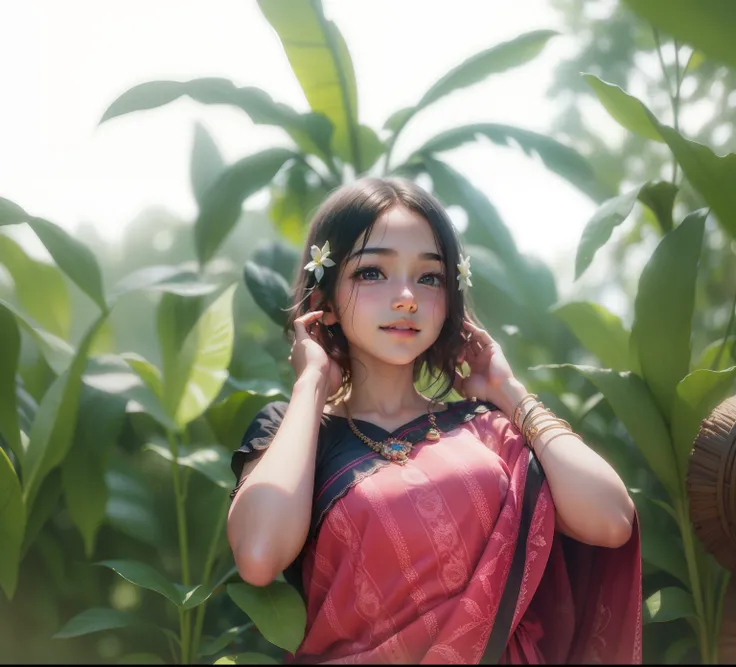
(257, 437)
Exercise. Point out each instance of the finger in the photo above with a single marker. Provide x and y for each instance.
(457, 383)
(306, 320)
(478, 334)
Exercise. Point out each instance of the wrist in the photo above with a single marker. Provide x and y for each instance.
(312, 381)
(510, 393)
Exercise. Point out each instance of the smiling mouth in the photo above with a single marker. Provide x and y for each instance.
(400, 328)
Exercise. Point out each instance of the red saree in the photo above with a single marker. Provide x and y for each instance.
(409, 566)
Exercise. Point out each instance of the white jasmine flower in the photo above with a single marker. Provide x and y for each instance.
(464, 273)
(320, 259)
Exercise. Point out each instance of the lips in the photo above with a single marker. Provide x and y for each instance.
(400, 326)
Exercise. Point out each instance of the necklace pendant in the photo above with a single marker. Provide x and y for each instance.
(396, 451)
(433, 435)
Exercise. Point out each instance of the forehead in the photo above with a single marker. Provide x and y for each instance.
(403, 230)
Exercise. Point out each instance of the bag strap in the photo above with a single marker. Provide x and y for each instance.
(507, 606)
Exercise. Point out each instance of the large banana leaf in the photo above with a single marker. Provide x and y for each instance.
(494, 60)
(321, 62)
(557, 157)
(663, 309)
(311, 132)
(707, 25)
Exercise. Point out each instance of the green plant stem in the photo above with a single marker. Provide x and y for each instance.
(694, 575)
(180, 499)
(720, 602)
(207, 571)
(729, 327)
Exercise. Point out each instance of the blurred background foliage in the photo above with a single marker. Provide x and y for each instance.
(104, 395)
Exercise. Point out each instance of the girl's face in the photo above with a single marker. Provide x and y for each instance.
(391, 297)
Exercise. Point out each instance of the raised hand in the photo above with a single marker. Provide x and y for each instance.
(490, 373)
(308, 352)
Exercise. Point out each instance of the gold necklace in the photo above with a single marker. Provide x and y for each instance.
(393, 449)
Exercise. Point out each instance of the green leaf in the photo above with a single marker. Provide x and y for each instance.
(485, 227)
(293, 203)
(557, 157)
(371, 147)
(217, 644)
(133, 378)
(12, 525)
(204, 359)
(487, 266)
(163, 278)
(269, 290)
(221, 206)
(660, 198)
(213, 461)
(626, 109)
(600, 227)
(145, 576)
(677, 651)
(713, 354)
(634, 405)
(230, 418)
(99, 422)
(711, 175)
(475, 69)
(247, 659)
(57, 353)
(321, 63)
(39, 287)
(668, 604)
(96, 620)
(277, 610)
(311, 132)
(599, 330)
(11, 213)
(44, 506)
(73, 258)
(206, 163)
(9, 357)
(130, 505)
(706, 25)
(53, 427)
(696, 396)
(663, 309)
(279, 256)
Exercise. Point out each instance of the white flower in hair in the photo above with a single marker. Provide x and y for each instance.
(320, 259)
(464, 273)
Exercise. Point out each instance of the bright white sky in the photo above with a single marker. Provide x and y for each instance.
(63, 63)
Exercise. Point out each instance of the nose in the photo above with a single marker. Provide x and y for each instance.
(405, 301)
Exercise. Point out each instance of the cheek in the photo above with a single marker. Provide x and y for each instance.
(437, 305)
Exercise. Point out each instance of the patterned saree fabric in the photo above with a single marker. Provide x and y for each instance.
(409, 565)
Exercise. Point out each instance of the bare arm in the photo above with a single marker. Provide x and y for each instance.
(269, 517)
(592, 502)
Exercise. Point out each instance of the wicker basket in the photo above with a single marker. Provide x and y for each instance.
(711, 483)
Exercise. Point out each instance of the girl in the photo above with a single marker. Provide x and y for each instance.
(482, 530)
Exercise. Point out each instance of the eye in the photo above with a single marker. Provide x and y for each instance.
(432, 279)
(368, 273)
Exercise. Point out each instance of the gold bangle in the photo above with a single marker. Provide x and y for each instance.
(519, 405)
(531, 410)
(539, 416)
(535, 432)
(534, 428)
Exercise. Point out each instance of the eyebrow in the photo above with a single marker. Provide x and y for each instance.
(389, 251)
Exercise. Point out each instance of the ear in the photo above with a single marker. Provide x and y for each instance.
(329, 317)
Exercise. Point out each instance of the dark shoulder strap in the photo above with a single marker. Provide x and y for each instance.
(507, 607)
